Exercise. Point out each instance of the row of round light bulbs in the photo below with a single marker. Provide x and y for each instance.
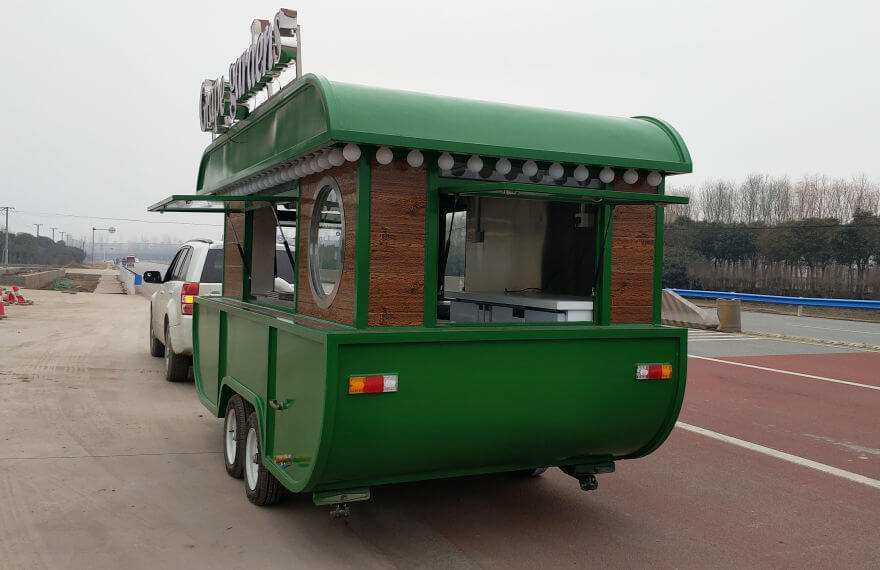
(301, 167)
(503, 166)
(328, 158)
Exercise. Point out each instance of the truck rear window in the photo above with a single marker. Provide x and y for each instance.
(212, 272)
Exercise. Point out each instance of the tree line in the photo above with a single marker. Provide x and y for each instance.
(814, 237)
(28, 249)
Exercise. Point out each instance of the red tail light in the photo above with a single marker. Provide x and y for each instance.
(187, 292)
(653, 371)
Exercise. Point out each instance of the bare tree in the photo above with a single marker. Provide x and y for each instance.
(675, 211)
(718, 201)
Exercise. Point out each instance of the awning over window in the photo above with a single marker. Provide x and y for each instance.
(545, 192)
(218, 204)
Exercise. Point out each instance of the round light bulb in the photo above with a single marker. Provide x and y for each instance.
(351, 152)
(630, 176)
(475, 163)
(336, 157)
(581, 173)
(384, 155)
(324, 160)
(415, 158)
(287, 173)
(315, 165)
(305, 167)
(530, 168)
(445, 161)
(556, 171)
(606, 175)
(291, 172)
(654, 178)
(503, 166)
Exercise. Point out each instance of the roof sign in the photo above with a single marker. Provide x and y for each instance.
(274, 47)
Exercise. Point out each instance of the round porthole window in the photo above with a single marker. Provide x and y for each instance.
(326, 242)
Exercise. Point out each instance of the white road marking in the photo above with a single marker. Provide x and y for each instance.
(811, 376)
(782, 455)
(705, 339)
(838, 330)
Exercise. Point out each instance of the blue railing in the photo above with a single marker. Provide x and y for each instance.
(811, 301)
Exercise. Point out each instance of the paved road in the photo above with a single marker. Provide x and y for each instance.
(813, 327)
(710, 343)
(103, 464)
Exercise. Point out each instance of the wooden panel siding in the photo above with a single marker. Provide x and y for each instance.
(397, 244)
(342, 308)
(632, 264)
(232, 268)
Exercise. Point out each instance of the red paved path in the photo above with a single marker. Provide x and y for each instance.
(835, 424)
(696, 502)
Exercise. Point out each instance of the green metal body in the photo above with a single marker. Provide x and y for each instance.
(471, 399)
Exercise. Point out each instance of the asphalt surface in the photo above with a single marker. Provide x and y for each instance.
(813, 327)
(103, 464)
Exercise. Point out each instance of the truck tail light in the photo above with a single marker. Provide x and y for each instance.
(372, 384)
(187, 292)
(653, 371)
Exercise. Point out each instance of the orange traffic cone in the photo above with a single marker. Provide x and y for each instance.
(9, 298)
(19, 298)
(2, 307)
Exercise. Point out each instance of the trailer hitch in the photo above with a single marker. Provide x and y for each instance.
(586, 474)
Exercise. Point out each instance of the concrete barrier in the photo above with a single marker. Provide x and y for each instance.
(729, 315)
(133, 283)
(128, 279)
(30, 279)
(678, 311)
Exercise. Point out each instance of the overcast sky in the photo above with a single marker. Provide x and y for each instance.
(99, 99)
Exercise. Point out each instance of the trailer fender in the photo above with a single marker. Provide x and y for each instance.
(229, 386)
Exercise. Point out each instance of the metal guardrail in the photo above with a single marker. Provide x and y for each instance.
(800, 301)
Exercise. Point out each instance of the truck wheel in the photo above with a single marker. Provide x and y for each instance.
(261, 487)
(156, 347)
(176, 365)
(234, 433)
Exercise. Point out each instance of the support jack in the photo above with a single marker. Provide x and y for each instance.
(586, 473)
(589, 482)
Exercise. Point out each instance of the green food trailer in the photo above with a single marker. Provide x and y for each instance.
(476, 286)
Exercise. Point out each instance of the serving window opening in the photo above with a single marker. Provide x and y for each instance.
(509, 260)
(273, 238)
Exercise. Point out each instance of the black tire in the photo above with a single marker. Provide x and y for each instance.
(235, 409)
(267, 490)
(176, 365)
(156, 348)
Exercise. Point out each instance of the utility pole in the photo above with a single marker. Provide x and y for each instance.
(6, 241)
(38, 229)
(62, 236)
(53, 233)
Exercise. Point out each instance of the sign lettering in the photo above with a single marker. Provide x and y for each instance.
(274, 47)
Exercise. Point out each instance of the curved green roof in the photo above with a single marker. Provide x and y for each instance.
(312, 112)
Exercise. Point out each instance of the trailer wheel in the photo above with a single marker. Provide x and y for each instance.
(261, 487)
(176, 365)
(156, 347)
(234, 434)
